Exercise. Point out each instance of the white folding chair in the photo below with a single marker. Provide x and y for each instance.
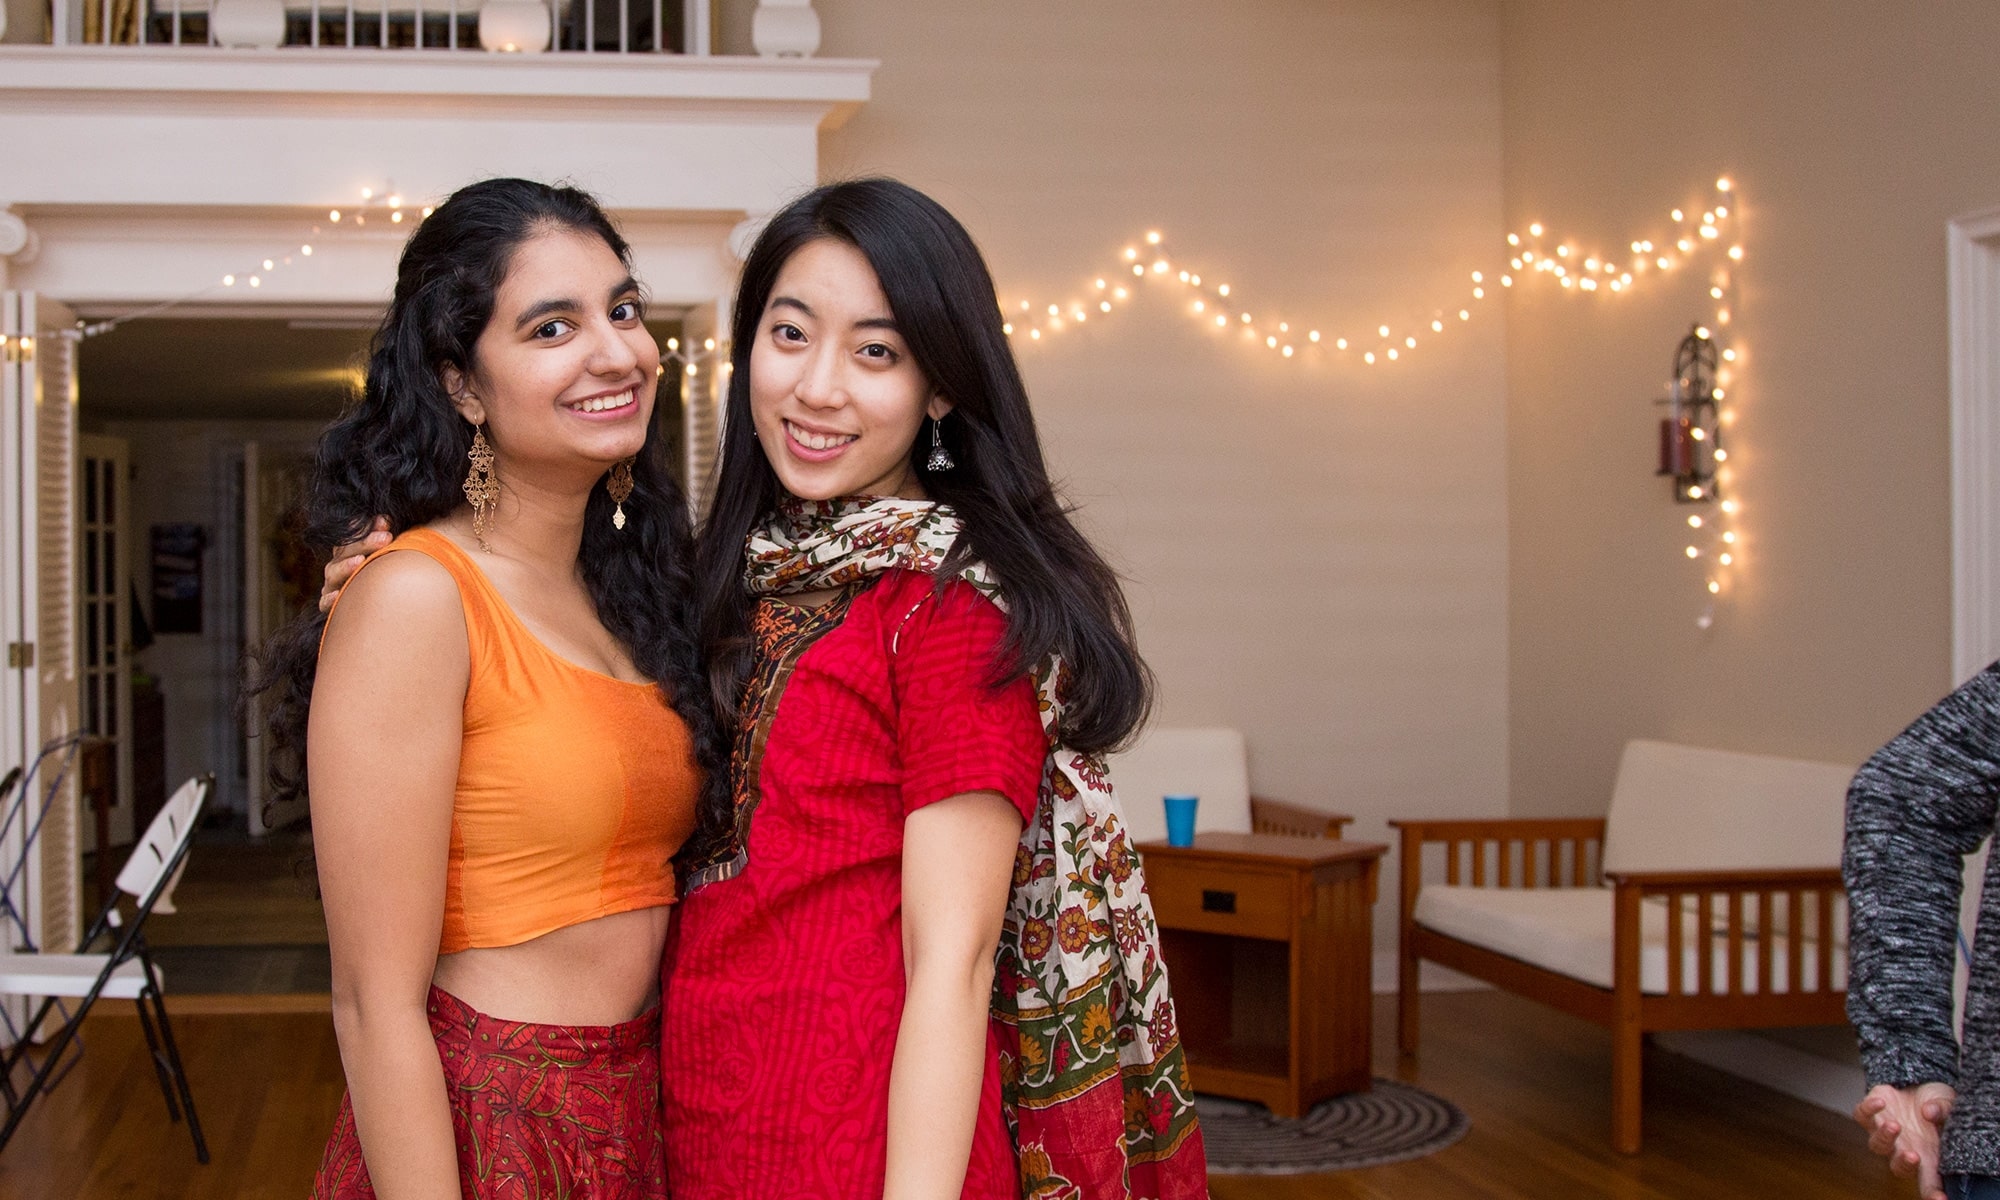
(125, 971)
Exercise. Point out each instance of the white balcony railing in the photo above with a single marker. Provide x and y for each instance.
(562, 26)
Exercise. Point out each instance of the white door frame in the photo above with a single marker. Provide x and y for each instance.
(1974, 260)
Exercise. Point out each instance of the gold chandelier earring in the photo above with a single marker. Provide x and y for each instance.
(619, 484)
(481, 488)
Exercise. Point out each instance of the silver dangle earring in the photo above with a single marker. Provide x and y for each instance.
(940, 459)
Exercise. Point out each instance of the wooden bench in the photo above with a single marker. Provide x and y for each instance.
(1709, 897)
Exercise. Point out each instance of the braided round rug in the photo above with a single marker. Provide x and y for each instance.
(1391, 1123)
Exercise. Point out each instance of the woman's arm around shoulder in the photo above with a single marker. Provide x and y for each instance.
(384, 734)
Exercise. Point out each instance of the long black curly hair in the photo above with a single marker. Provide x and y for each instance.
(400, 452)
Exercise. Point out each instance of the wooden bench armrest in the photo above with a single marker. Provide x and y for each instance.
(1754, 880)
(1295, 820)
(1501, 828)
(1755, 914)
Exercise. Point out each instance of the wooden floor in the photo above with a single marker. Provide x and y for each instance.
(1533, 1081)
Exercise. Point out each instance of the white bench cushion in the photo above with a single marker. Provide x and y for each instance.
(1681, 808)
(1569, 931)
(1209, 763)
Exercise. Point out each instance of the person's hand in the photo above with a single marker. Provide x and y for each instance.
(1903, 1126)
(348, 559)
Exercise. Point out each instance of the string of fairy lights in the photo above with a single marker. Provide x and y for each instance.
(383, 207)
(1697, 238)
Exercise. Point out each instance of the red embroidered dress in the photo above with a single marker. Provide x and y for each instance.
(784, 983)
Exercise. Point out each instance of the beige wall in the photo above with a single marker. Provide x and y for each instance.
(1316, 551)
(1856, 130)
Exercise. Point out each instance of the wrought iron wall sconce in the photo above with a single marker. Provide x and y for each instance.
(1691, 432)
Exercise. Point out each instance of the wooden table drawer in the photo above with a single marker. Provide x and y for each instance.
(1217, 899)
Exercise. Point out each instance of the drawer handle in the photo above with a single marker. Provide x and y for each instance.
(1218, 902)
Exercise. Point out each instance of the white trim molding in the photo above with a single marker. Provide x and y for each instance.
(1974, 261)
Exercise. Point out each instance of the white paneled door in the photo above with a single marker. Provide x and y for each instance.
(40, 702)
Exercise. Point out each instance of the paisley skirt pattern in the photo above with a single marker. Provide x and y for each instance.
(539, 1111)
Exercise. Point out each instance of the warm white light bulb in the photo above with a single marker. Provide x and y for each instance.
(1007, 328)
(1695, 493)
(367, 193)
(1727, 558)
(1160, 267)
(1153, 238)
(1312, 335)
(1562, 251)
(1287, 352)
(1100, 285)
(1383, 330)
(1721, 455)
(673, 344)
(1465, 314)
(1271, 342)
(1393, 353)
(1131, 253)
(1184, 276)
(1693, 552)
(1694, 522)
(333, 214)
(1195, 280)
(1729, 506)
(1120, 293)
(1437, 326)
(1221, 320)
(1477, 277)
(1722, 185)
(1369, 358)
(1036, 334)
(1340, 343)
(229, 281)
(1736, 253)
(1104, 306)
(1713, 586)
(1198, 306)
(1665, 263)
(256, 282)
(1701, 331)
(1677, 214)
(1222, 290)
(1513, 239)
(1246, 318)
(1479, 293)
(1410, 342)
(1284, 327)
(306, 250)
(1698, 433)
(1730, 537)
(1535, 229)
(1729, 356)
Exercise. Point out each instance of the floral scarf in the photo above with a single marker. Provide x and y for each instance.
(1094, 1080)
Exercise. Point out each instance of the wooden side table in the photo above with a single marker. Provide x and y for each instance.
(1269, 949)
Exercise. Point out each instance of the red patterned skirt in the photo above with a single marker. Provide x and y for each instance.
(540, 1111)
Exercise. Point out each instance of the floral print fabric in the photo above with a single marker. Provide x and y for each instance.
(539, 1112)
(1095, 1080)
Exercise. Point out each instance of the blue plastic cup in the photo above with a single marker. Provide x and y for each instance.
(1180, 819)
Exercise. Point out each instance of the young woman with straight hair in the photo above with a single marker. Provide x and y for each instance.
(502, 721)
(915, 959)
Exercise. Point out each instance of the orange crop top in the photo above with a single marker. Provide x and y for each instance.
(574, 788)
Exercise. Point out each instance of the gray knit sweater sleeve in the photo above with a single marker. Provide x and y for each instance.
(1914, 811)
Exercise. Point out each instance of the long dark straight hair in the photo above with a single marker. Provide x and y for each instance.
(400, 452)
(1061, 595)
